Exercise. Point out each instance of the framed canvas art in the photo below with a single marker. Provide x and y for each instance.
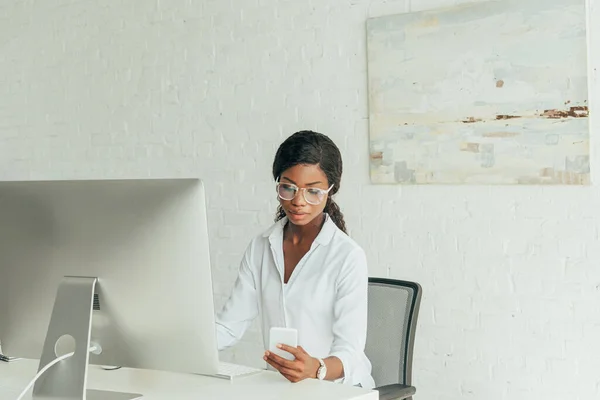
(486, 93)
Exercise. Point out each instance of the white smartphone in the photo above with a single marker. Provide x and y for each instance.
(288, 336)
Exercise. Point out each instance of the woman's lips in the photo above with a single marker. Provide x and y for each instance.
(296, 215)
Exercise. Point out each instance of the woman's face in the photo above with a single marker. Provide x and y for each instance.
(310, 177)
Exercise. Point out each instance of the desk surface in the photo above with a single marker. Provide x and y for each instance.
(158, 385)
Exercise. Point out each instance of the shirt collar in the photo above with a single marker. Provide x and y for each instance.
(323, 238)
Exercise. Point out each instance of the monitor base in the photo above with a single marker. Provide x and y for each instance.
(106, 395)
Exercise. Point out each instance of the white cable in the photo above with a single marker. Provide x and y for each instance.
(46, 368)
(41, 372)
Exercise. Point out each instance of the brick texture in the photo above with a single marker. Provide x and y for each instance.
(210, 88)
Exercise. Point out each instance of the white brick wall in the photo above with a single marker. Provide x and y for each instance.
(210, 88)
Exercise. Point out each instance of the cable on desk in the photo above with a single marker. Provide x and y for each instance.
(46, 368)
(42, 371)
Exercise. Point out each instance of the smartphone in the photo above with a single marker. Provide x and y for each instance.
(288, 336)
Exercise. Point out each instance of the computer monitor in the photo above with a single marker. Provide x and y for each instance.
(121, 266)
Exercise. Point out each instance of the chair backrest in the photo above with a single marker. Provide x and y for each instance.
(393, 313)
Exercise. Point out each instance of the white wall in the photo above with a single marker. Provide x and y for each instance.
(135, 89)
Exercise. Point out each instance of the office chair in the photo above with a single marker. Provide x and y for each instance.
(393, 312)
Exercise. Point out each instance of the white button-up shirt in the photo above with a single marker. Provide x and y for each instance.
(325, 298)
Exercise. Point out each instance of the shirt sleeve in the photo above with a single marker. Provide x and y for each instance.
(240, 308)
(350, 314)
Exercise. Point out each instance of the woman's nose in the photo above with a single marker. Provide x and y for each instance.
(299, 199)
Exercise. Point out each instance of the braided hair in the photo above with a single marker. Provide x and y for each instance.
(312, 148)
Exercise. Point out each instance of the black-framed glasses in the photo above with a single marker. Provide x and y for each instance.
(288, 191)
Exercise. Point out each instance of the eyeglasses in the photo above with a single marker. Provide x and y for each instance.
(288, 191)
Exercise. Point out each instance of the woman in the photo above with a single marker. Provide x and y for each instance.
(305, 272)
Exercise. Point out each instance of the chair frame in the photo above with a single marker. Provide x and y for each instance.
(406, 372)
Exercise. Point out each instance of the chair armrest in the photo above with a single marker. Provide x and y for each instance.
(395, 391)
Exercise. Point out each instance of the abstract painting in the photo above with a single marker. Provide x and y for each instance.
(486, 93)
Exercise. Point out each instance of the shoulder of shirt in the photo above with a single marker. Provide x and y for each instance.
(342, 240)
(262, 238)
(267, 232)
(354, 255)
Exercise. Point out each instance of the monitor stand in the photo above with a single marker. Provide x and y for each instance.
(72, 319)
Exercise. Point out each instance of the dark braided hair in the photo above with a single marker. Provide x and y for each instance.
(312, 148)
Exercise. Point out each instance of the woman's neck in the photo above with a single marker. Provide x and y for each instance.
(301, 233)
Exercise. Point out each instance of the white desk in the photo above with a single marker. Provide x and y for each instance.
(158, 385)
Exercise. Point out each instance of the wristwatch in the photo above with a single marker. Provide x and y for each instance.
(322, 371)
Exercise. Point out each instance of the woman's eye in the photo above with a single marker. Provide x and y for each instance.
(315, 192)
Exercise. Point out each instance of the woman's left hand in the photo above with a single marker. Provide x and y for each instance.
(304, 366)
